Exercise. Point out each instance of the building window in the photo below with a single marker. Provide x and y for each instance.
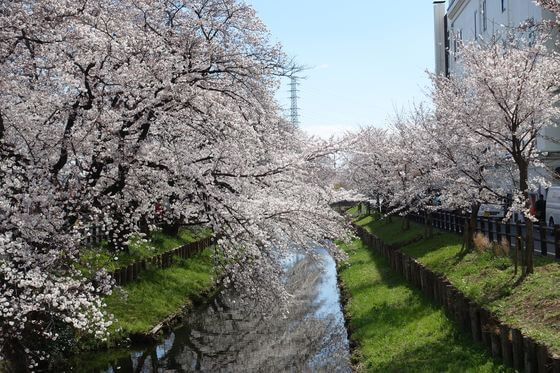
(457, 40)
(503, 5)
(484, 17)
(475, 26)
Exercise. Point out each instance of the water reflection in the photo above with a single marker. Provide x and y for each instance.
(228, 336)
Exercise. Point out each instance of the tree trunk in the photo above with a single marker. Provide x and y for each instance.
(172, 228)
(17, 360)
(524, 187)
(405, 223)
(428, 229)
(143, 225)
(529, 247)
(431, 224)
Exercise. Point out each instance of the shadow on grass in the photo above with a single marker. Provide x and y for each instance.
(443, 355)
(398, 329)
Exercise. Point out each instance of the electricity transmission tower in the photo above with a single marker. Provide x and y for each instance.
(294, 110)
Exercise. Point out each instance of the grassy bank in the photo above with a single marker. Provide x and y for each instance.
(159, 293)
(396, 328)
(141, 305)
(531, 304)
(94, 258)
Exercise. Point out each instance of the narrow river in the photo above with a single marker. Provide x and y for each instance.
(226, 335)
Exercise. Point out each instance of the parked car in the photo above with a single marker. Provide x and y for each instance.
(491, 210)
(553, 206)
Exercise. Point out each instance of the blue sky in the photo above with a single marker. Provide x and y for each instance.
(367, 58)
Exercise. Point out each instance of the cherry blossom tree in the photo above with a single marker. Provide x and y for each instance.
(414, 170)
(364, 164)
(471, 169)
(394, 164)
(111, 107)
(551, 5)
(479, 143)
(504, 96)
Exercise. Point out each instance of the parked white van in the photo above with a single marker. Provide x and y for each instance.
(553, 206)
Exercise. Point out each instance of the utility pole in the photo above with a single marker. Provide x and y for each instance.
(294, 110)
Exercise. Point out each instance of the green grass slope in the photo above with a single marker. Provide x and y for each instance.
(397, 329)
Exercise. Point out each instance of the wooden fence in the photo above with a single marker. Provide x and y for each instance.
(94, 235)
(125, 275)
(546, 239)
(504, 343)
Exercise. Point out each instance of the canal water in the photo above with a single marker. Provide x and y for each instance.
(227, 335)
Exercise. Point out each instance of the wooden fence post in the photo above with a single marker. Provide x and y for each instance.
(437, 294)
(465, 313)
(450, 293)
(124, 276)
(485, 329)
(134, 273)
(405, 262)
(555, 364)
(475, 322)
(530, 355)
(117, 277)
(517, 349)
(422, 274)
(138, 268)
(496, 342)
(544, 362)
(418, 274)
(508, 233)
(507, 351)
(490, 230)
(442, 292)
(498, 231)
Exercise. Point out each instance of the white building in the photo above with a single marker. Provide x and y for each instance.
(471, 20)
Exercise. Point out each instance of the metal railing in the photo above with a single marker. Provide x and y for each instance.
(546, 239)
